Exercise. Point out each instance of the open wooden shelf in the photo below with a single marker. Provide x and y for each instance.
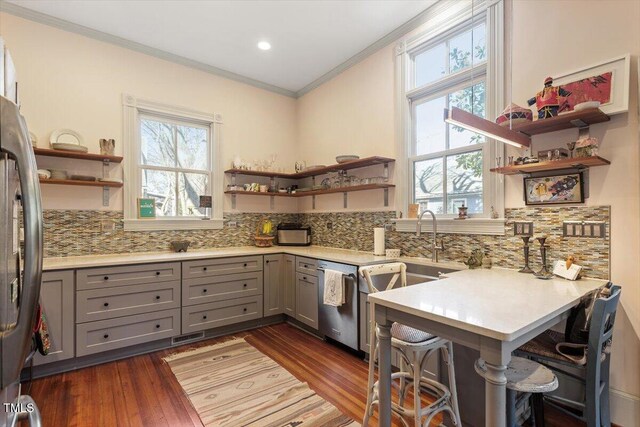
(78, 182)
(564, 121)
(573, 163)
(257, 193)
(360, 163)
(76, 155)
(316, 192)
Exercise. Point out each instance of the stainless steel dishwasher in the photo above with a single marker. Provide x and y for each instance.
(339, 323)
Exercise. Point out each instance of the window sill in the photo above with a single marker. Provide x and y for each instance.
(173, 224)
(486, 226)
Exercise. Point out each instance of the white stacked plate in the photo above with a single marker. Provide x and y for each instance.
(69, 147)
(346, 158)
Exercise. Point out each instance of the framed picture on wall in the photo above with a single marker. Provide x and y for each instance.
(554, 190)
(606, 82)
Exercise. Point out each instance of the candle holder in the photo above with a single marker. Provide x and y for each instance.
(526, 268)
(544, 273)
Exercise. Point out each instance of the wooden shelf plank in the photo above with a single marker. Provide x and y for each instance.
(573, 163)
(257, 193)
(316, 192)
(563, 121)
(76, 155)
(83, 183)
(344, 189)
(259, 173)
(360, 163)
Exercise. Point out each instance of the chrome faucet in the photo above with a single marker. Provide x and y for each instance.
(434, 244)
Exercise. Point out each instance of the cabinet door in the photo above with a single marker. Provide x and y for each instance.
(289, 282)
(56, 296)
(273, 286)
(307, 299)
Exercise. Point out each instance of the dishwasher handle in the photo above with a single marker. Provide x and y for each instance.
(350, 275)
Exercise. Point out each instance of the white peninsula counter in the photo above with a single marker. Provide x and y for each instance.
(494, 311)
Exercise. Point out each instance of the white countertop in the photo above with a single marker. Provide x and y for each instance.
(497, 303)
(329, 254)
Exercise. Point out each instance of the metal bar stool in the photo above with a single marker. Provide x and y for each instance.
(593, 369)
(415, 348)
(528, 377)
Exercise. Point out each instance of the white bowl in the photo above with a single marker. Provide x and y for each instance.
(44, 174)
(586, 105)
(346, 158)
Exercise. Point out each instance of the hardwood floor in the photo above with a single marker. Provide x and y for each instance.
(142, 391)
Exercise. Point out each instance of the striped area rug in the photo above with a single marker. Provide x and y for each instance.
(233, 384)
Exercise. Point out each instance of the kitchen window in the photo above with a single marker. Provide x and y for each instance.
(457, 65)
(172, 158)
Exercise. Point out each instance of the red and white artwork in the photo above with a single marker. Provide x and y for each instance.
(596, 88)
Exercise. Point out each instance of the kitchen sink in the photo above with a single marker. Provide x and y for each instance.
(416, 273)
(420, 273)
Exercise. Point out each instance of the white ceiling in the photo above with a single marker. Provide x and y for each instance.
(308, 38)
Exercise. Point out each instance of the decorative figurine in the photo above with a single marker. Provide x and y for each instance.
(475, 260)
(462, 212)
(548, 100)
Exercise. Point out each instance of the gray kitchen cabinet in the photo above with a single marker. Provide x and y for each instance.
(110, 334)
(101, 277)
(215, 267)
(307, 299)
(220, 288)
(273, 285)
(307, 265)
(213, 315)
(112, 302)
(56, 296)
(289, 284)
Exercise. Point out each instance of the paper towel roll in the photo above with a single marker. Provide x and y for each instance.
(378, 241)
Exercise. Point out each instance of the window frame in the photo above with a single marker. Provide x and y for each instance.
(446, 20)
(135, 110)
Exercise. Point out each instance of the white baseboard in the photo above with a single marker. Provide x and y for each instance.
(625, 409)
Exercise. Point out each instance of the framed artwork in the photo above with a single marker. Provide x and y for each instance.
(146, 208)
(554, 190)
(607, 82)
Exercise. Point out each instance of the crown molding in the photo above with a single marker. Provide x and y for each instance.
(62, 24)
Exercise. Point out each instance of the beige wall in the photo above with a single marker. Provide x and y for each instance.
(71, 81)
(354, 112)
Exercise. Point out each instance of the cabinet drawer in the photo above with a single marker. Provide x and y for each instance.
(214, 267)
(104, 335)
(307, 265)
(95, 278)
(108, 303)
(211, 289)
(207, 316)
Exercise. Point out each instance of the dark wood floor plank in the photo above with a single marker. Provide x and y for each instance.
(142, 390)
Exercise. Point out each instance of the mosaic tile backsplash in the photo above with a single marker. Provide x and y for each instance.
(73, 232)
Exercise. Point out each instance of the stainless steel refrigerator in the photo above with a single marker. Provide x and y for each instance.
(20, 269)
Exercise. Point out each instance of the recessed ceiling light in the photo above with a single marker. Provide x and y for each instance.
(263, 45)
